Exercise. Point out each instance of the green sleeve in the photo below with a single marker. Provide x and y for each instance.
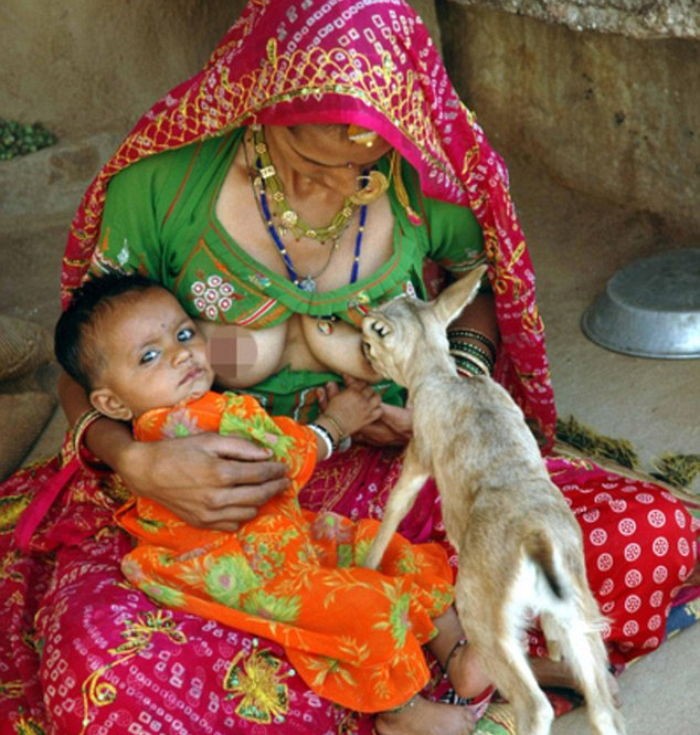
(453, 236)
(456, 239)
(132, 223)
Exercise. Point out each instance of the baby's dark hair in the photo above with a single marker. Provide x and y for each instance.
(75, 336)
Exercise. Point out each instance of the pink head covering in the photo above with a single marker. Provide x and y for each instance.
(373, 65)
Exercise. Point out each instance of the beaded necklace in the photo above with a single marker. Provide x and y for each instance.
(306, 283)
(288, 218)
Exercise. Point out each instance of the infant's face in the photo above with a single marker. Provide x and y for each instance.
(154, 354)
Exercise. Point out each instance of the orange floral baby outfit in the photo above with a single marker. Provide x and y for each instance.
(290, 575)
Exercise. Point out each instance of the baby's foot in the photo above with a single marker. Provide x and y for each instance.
(423, 717)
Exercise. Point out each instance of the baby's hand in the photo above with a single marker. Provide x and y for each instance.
(354, 408)
(325, 392)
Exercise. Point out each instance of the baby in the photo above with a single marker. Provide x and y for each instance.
(289, 575)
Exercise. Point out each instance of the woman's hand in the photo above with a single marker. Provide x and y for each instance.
(209, 481)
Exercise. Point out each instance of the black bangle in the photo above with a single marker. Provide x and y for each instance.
(477, 336)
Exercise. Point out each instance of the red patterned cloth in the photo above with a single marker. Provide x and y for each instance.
(375, 66)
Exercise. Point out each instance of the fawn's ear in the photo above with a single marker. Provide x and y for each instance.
(449, 304)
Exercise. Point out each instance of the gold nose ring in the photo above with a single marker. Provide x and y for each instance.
(362, 136)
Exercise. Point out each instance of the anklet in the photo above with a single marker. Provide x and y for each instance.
(461, 642)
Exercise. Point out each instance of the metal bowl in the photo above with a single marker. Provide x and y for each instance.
(650, 308)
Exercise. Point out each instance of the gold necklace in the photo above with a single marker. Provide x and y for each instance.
(289, 220)
(308, 282)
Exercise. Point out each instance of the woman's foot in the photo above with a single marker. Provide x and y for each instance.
(694, 578)
(423, 717)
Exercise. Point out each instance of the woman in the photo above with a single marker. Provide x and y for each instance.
(253, 192)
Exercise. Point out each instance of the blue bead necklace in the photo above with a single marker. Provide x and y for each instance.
(306, 283)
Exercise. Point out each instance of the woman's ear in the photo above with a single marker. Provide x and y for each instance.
(108, 403)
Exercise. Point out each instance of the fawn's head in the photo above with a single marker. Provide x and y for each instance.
(400, 333)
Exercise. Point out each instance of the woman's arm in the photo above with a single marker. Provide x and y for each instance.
(208, 480)
(480, 316)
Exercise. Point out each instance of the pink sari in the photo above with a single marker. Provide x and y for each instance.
(83, 652)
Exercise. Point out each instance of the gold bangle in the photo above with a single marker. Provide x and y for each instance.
(84, 422)
(336, 424)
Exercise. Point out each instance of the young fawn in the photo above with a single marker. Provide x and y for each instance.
(520, 547)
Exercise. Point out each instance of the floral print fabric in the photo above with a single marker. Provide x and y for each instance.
(82, 652)
(292, 576)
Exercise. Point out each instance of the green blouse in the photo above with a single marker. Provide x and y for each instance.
(160, 219)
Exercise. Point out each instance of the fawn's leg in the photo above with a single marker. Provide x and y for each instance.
(401, 498)
(585, 653)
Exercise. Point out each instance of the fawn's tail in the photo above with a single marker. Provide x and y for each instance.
(539, 548)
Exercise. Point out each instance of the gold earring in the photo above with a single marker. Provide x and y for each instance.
(377, 184)
(400, 189)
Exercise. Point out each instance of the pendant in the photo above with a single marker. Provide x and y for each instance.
(289, 218)
(307, 284)
(324, 324)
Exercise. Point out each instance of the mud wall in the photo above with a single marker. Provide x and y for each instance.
(86, 66)
(605, 112)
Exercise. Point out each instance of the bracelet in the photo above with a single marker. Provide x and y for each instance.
(325, 436)
(462, 347)
(461, 642)
(477, 336)
(470, 364)
(84, 422)
(336, 424)
(468, 372)
(473, 356)
(462, 359)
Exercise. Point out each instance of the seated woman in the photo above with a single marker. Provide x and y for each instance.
(312, 169)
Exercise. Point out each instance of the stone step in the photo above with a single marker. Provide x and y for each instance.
(48, 184)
